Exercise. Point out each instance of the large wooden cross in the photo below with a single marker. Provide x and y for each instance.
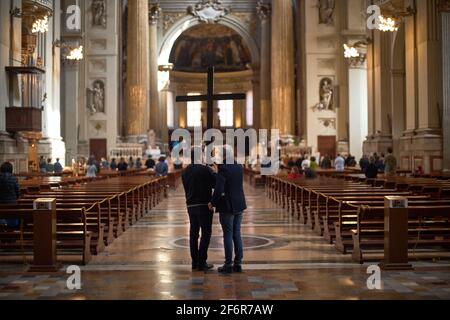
(210, 97)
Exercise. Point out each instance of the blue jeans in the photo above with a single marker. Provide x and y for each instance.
(231, 226)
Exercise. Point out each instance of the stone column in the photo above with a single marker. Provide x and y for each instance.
(156, 112)
(283, 86)
(427, 143)
(137, 68)
(446, 84)
(265, 112)
(357, 86)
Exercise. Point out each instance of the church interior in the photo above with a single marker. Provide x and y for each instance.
(93, 92)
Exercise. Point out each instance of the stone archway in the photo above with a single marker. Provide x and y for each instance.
(187, 22)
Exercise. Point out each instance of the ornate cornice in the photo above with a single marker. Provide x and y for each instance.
(444, 5)
(264, 10)
(208, 11)
(154, 12)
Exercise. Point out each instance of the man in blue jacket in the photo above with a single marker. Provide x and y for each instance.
(229, 200)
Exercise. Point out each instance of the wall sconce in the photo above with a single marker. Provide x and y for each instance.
(74, 53)
(391, 22)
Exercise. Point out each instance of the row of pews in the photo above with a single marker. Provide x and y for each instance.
(348, 211)
(90, 214)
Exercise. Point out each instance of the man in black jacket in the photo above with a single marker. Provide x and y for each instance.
(198, 182)
(229, 201)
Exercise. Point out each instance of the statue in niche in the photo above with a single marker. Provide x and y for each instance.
(97, 97)
(326, 95)
(326, 10)
(99, 13)
(151, 139)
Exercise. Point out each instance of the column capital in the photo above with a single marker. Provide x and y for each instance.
(444, 5)
(264, 10)
(154, 12)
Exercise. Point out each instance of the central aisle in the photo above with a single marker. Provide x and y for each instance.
(272, 239)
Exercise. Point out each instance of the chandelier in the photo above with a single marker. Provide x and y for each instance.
(387, 24)
(75, 54)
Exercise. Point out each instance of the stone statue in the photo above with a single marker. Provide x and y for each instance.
(99, 13)
(326, 10)
(151, 139)
(97, 103)
(326, 95)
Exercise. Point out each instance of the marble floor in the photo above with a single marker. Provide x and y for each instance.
(283, 260)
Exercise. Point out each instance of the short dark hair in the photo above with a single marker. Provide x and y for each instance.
(162, 159)
(390, 150)
(6, 167)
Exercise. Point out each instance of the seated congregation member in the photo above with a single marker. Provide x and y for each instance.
(91, 169)
(123, 166)
(198, 182)
(50, 168)
(113, 164)
(42, 165)
(306, 163)
(138, 163)
(104, 164)
(371, 170)
(150, 163)
(339, 163)
(311, 171)
(294, 174)
(58, 167)
(229, 200)
(9, 191)
(161, 168)
(131, 163)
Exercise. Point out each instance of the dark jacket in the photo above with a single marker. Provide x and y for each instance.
(371, 171)
(9, 189)
(198, 182)
(122, 166)
(161, 169)
(150, 163)
(229, 194)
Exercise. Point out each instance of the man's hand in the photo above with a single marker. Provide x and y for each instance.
(210, 206)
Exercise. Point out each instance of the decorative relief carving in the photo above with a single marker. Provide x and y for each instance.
(329, 123)
(326, 11)
(97, 65)
(169, 19)
(99, 13)
(329, 64)
(264, 10)
(208, 11)
(98, 44)
(154, 13)
(444, 5)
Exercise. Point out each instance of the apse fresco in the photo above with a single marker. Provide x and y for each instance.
(210, 45)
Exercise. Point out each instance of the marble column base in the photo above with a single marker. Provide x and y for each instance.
(377, 144)
(423, 149)
(14, 151)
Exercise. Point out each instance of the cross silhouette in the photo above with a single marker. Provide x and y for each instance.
(210, 97)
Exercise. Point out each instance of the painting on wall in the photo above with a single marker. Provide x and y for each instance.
(215, 45)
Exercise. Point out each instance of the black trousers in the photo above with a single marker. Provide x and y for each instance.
(201, 218)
